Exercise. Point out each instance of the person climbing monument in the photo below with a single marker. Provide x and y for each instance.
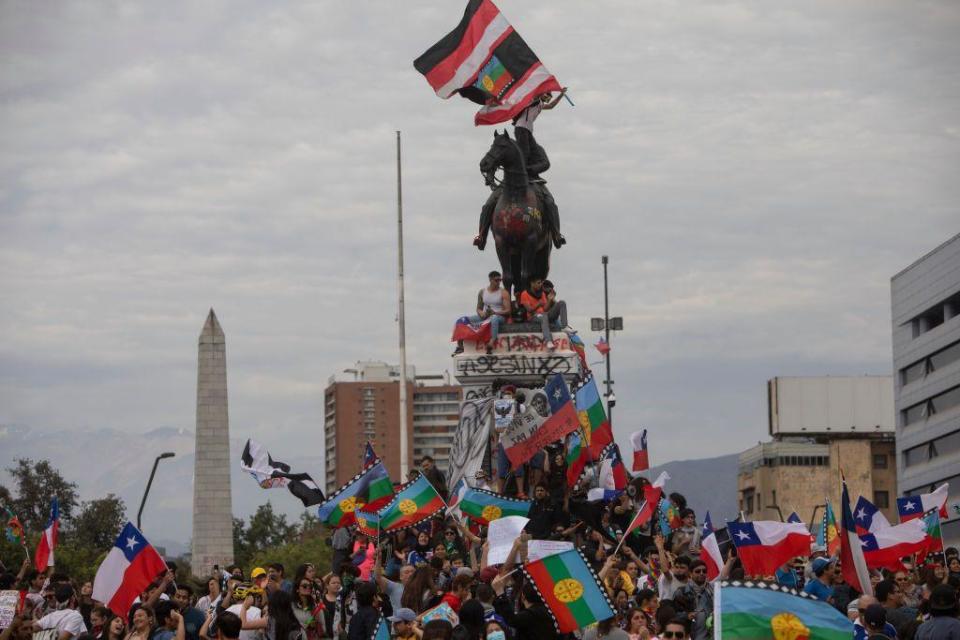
(536, 160)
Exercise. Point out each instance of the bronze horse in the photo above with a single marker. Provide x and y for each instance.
(519, 230)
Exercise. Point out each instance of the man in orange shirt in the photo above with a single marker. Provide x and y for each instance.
(541, 303)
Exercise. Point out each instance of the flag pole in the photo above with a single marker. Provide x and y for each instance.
(401, 321)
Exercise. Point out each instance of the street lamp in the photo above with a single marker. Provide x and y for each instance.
(168, 454)
(607, 324)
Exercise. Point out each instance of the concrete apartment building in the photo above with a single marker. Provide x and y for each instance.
(925, 309)
(367, 407)
(819, 426)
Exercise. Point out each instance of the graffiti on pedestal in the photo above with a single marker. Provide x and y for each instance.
(515, 364)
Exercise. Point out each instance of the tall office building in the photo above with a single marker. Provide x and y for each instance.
(925, 304)
(367, 407)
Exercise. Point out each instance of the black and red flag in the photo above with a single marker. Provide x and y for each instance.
(485, 60)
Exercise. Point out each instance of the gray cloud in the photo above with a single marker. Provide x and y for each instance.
(755, 171)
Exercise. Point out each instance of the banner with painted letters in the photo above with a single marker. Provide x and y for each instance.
(472, 437)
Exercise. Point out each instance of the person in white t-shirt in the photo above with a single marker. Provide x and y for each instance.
(66, 619)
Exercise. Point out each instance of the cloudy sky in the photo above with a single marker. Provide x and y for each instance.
(756, 171)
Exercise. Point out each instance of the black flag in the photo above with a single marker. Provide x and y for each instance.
(271, 474)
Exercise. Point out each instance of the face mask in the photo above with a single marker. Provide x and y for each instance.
(496, 635)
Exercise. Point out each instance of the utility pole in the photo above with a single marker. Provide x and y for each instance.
(404, 467)
(607, 324)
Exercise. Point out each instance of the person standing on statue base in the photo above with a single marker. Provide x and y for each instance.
(541, 304)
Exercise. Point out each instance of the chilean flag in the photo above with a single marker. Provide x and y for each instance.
(641, 459)
(913, 507)
(131, 565)
(710, 550)
(43, 557)
(651, 499)
(603, 347)
(369, 457)
(868, 517)
(764, 545)
(613, 475)
(886, 547)
(853, 564)
(464, 331)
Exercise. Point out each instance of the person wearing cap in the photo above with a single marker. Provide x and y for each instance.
(943, 623)
(258, 576)
(874, 620)
(404, 624)
(820, 586)
(66, 619)
(861, 605)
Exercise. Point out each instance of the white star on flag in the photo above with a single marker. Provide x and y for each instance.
(743, 535)
(861, 515)
(131, 542)
(557, 394)
(909, 506)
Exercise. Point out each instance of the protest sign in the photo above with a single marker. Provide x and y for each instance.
(442, 611)
(8, 607)
(501, 535)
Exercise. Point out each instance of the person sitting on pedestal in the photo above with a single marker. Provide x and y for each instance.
(493, 303)
(541, 304)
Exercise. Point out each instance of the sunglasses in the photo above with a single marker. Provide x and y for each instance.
(306, 585)
(450, 533)
(669, 635)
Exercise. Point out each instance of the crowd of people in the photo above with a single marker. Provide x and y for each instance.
(433, 582)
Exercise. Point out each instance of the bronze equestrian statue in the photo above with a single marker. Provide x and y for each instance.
(520, 212)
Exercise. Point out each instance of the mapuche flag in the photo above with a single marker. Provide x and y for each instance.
(485, 60)
(593, 417)
(368, 522)
(484, 506)
(415, 502)
(577, 457)
(369, 489)
(570, 589)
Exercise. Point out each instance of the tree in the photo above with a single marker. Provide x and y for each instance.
(36, 484)
(98, 523)
(267, 529)
(313, 548)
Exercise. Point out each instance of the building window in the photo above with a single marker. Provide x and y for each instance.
(881, 499)
(945, 446)
(748, 495)
(946, 400)
(879, 461)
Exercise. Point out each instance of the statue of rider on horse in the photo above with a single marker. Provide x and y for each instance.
(520, 211)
